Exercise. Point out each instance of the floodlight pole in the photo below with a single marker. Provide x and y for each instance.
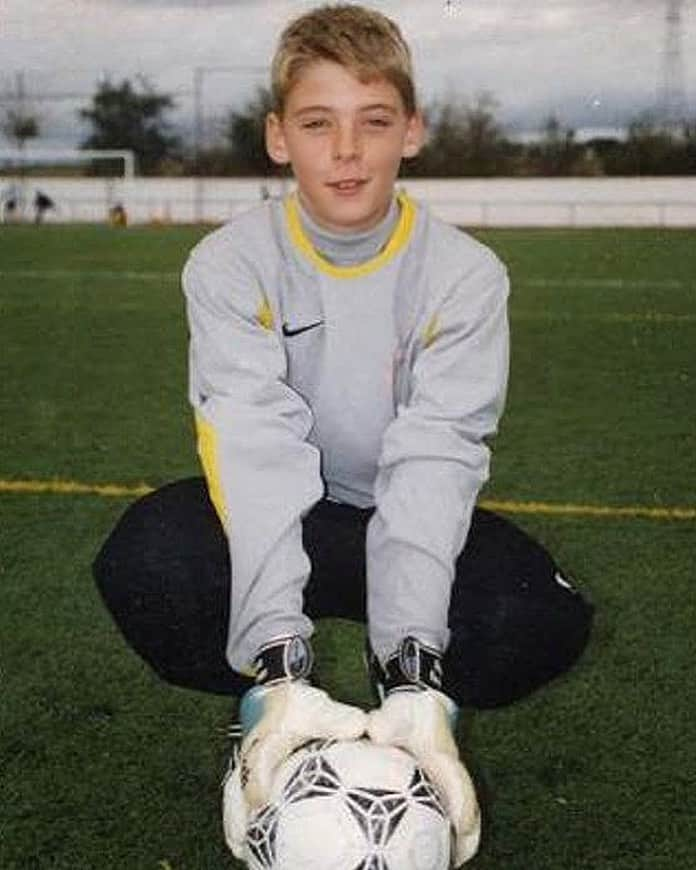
(672, 99)
(198, 112)
(199, 73)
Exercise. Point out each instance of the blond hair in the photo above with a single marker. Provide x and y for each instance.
(362, 40)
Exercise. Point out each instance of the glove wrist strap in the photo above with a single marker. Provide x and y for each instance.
(414, 665)
(285, 658)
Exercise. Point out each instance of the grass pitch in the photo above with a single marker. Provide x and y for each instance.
(105, 767)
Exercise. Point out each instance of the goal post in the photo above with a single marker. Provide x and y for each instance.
(29, 157)
(16, 181)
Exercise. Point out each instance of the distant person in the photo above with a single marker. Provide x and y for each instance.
(42, 204)
(118, 217)
(10, 199)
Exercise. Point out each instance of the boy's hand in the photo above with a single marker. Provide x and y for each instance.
(292, 713)
(283, 712)
(416, 715)
(418, 720)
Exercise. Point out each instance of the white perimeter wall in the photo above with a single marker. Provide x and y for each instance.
(469, 202)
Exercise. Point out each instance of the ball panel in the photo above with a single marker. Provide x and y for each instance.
(350, 804)
(318, 834)
(430, 849)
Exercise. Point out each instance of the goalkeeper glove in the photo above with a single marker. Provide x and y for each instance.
(418, 717)
(278, 715)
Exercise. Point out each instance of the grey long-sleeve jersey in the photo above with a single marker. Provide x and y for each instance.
(375, 385)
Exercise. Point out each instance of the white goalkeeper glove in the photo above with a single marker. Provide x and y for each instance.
(235, 815)
(420, 719)
(277, 718)
(293, 713)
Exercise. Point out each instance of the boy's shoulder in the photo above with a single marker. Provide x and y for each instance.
(241, 237)
(452, 249)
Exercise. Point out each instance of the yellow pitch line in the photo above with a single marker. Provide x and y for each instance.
(71, 487)
(587, 510)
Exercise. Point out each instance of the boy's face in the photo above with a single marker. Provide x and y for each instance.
(344, 140)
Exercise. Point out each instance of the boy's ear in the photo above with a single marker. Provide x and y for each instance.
(415, 135)
(275, 140)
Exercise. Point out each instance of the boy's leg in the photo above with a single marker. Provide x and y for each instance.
(164, 574)
(334, 537)
(516, 621)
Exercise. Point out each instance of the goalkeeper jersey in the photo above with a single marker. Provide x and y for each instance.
(375, 384)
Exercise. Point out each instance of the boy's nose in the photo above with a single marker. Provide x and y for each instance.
(346, 143)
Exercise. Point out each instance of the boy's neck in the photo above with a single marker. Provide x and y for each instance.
(351, 248)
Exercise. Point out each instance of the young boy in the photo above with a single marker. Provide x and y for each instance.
(348, 362)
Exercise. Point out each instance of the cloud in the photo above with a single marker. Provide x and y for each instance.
(580, 58)
(194, 4)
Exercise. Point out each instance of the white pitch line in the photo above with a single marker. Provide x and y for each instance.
(152, 275)
(657, 317)
(109, 275)
(605, 283)
(651, 317)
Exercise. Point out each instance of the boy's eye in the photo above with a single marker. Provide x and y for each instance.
(315, 124)
(378, 122)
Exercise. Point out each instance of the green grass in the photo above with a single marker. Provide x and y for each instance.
(103, 766)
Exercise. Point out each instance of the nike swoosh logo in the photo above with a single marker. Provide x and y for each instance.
(290, 332)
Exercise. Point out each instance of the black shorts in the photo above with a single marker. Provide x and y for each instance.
(164, 573)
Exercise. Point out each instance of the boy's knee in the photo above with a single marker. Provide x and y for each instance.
(512, 646)
(516, 621)
(163, 575)
(172, 527)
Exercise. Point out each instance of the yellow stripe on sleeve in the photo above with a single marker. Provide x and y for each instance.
(208, 453)
(265, 314)
(431, 331)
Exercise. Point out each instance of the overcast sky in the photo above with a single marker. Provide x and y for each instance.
(591, 62)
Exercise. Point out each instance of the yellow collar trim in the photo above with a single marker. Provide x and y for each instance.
(398, 239)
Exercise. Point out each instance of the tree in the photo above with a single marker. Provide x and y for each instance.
(464, 139)
(123, 117)
(649, 148)
(689, 142)
(557, 153)
(484, 137)
(240, 148)
(558, 150)
(245, 133)
(19, 125)
(442, 153)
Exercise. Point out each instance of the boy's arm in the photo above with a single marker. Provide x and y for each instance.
(434, 460)
(262, 473)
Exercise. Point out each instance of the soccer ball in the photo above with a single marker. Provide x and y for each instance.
(350, 805)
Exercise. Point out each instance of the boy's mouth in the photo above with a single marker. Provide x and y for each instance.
(347, 185)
